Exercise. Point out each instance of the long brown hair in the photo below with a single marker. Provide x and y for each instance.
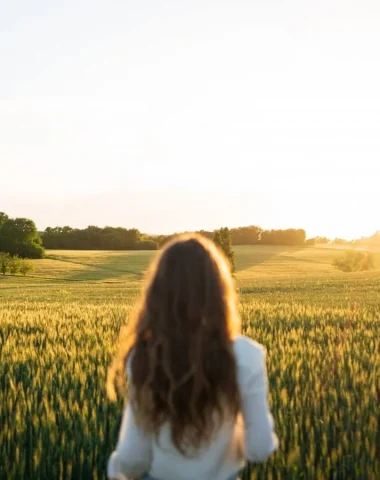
(180, 344)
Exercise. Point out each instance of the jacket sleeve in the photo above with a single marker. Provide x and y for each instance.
(133, 454)
(260, 439)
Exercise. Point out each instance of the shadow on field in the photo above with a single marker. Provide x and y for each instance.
(251, 256)
(112, 268)
(118, 266)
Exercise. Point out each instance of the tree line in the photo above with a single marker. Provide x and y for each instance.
(111, 238)
(119, 238)
(96, 238)
(253, 235)
(20, 237)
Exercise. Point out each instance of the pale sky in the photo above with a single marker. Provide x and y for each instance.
(181, 115)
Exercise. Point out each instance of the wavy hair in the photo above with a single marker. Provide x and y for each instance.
(179, 345)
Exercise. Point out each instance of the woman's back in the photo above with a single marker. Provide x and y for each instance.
(250, 437)
(198, 391)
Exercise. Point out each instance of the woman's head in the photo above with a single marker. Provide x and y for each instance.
(182, 364)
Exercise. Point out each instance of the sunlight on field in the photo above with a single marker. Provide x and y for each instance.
(252, 263)
(268, 261)
(286, 274)
(59, 328)
(93, 265)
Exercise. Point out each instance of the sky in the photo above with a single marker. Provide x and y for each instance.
(170, 116)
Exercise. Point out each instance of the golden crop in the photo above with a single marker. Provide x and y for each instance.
(56, 422)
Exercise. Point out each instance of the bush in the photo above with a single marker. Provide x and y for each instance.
(25, 267)
(31, 250)
(354, 261)
(14, 265)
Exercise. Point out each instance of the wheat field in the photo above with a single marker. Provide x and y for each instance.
(59, 327)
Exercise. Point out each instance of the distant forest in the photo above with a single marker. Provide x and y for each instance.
(111, 238)
(20, 237)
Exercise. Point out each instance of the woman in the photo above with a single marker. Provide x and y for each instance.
(198, 402)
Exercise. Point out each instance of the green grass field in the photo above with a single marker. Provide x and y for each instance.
(58, 330)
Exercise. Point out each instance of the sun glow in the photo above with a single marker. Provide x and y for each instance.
(228, 114)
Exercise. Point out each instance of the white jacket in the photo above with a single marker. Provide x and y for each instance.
(137, 454)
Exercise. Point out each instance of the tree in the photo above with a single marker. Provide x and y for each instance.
(4, 262)
(311, 241)
(19, 236)
(95, 238)
(147, 245)
(222, 238)
(291, 236)
(323, 240)
(317, 241)
(3, 218)
(246, 235)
